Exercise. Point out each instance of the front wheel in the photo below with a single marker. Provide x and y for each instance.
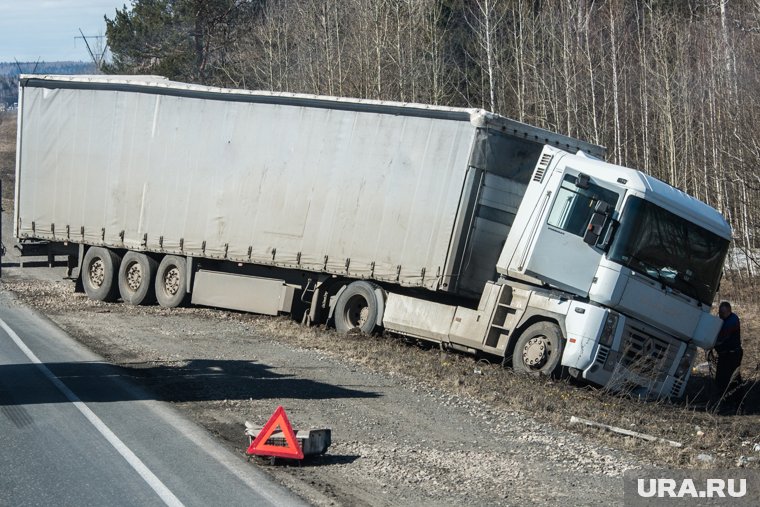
(538, 351)
(171, 282)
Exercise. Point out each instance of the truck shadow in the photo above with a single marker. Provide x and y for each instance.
(185, 381)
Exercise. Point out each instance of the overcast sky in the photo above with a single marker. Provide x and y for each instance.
(45, 29)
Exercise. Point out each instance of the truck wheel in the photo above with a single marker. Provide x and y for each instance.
(171, 282)
(136, 279)
(357, 308)
(100, 271)
(538, 351)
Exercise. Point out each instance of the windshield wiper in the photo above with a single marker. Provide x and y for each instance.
(647, 265)
(666, 282)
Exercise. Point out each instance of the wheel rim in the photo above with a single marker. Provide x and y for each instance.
(536, 352)
(97, 272)
(171, 281)
(134, 276)
(357, 311)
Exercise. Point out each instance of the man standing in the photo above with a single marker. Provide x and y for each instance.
(729, 349)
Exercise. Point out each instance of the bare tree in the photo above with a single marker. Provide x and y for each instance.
(484, 19)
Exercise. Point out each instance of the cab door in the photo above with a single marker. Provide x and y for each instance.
(560, 256)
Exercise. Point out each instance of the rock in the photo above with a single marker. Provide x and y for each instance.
(700, 433)
(705, 458)
(745, 460)
(756, 447)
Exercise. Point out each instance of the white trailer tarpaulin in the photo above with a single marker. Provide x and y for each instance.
(147, 164)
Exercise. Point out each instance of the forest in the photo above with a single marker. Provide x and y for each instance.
(9, 72)
(670, 87)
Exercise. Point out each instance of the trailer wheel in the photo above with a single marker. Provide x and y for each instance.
(137, 279)
(538, 351)
(100, 271)
(357, 308)
(171, 282)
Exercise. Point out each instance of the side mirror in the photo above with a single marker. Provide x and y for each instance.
(606, 241)
(597, 222)
(594, 229)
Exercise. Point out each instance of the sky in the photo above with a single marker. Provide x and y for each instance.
(45, 29)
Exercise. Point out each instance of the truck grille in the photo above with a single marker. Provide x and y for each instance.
(647, 355)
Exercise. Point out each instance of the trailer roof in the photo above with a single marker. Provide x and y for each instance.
(163, 86)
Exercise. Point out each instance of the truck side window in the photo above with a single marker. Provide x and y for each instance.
(574, 206)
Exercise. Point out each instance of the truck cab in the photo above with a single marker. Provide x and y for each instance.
(640, 259)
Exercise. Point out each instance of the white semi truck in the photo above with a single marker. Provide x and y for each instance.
(456, 226)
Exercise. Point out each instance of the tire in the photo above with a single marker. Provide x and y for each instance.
(137, 276)
(357, 308)
(171, 282)
(100, 273)
(538, 350)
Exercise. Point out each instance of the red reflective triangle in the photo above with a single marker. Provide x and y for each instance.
(291, 449)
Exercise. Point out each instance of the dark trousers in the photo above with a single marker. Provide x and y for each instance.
(728, 363)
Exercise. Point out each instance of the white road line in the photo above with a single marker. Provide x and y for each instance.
(154, 482)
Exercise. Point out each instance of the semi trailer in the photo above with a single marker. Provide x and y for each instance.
(455, 226)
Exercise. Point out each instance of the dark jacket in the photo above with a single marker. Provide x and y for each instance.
(729, 337)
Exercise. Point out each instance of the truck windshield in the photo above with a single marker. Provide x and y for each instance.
(670, 249)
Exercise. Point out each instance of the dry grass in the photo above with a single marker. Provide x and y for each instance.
(7, 152)
(690, 421)
(7, 131)
(744, 295)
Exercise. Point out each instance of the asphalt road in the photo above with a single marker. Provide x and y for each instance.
(75, 431)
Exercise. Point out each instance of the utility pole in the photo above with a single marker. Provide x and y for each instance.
(98, 53)
(34, 70)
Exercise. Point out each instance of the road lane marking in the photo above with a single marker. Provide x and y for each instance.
(154, 482)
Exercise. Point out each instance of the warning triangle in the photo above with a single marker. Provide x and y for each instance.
(291, 449)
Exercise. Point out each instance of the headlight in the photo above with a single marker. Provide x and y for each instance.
(608, 332)
(685, 364)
